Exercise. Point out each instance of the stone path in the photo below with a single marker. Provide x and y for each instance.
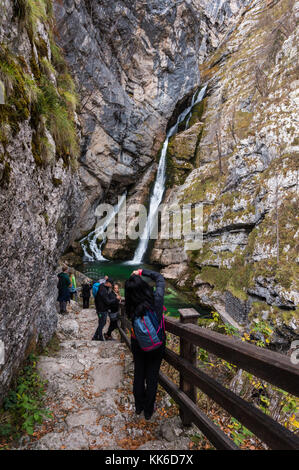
(90, 393)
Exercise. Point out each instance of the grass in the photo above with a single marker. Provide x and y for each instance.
(49, 108)
(23, 407)
(29, 12)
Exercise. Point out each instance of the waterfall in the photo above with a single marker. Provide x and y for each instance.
(159, 186)
(90, 243)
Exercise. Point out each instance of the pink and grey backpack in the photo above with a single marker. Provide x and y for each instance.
(148, 331)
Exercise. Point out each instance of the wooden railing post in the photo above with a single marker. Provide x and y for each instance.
(188, 352)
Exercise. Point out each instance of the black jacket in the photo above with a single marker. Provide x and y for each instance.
(86, 290)
(159, 291)
(106, 300)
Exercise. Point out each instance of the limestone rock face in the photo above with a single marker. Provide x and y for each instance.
(39, 197)
(134, 61)
(247, 167)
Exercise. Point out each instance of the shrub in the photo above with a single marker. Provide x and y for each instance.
(23, 407)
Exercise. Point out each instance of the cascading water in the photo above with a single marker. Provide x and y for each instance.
(92, 248)
(159, 186)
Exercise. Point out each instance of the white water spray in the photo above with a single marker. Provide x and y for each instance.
(159, 186)
(90, 244)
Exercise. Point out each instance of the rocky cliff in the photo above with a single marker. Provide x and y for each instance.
(239, 158)
(134, 61)
(39, 186)
(136, 64)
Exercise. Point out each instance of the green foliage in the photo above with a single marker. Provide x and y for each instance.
(52, 347)
(54, 109)
(222, 327)
(30, 11)
(239, 433)
(49, 108)
(203, 355)
(56, 182)
(5, 178)
(265, 329)
(16, 107)
(23, 407)
(196, 438)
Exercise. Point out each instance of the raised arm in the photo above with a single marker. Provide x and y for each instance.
(160, 288)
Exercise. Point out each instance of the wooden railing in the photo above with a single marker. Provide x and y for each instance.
(268, 365)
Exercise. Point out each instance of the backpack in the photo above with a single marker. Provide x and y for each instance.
(96, 286)
(148, 332)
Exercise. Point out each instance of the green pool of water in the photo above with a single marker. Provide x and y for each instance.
(119, 272)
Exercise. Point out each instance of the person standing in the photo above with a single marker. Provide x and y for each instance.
(63, 286)
(140, 298)
(86, 287)
(113, 315)
(97, 284)
(105, 300)
(73, 288)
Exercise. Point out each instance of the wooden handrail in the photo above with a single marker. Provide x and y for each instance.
(269, 431)
(215, 435)
(268, 365)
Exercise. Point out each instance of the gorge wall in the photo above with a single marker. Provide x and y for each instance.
(135, 64)
(133, 61)
(239, 158)
(39, 184)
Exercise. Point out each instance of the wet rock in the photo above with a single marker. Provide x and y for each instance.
(174, 271)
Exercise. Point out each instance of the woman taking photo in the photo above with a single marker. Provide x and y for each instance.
(142, 302)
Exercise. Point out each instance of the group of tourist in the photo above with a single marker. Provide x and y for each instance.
(67, 289)
(144, 306)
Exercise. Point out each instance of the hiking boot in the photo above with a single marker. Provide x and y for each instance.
(108, 338)
(148, 416)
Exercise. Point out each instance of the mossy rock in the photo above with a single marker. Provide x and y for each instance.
(5, 177)
(198, 112)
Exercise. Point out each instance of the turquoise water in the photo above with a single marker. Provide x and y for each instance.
(119, 272)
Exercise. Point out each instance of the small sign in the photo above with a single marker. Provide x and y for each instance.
(2, 358)
(2, 93)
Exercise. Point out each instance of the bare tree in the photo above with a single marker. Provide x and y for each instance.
(231, 125)
(219, 152)
(277, 218)
(261, 81)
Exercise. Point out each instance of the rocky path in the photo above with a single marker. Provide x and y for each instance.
(90, 393)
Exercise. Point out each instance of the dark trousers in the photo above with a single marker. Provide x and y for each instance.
(86, 302)
(146, 373)
(98, 336)
(62, 306)
(112, 327)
